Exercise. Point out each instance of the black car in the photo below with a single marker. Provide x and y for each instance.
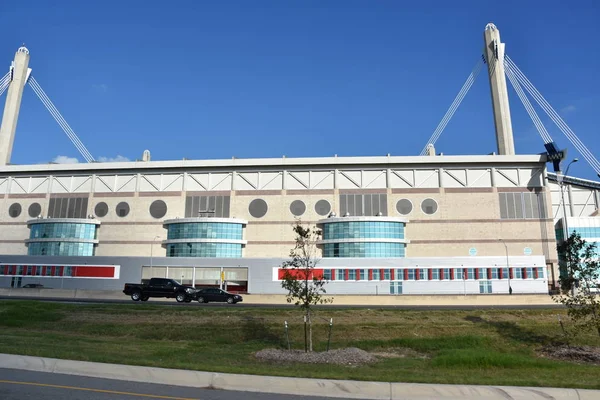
(215, 294)
(33, 286)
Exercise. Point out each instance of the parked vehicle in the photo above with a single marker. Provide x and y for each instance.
(160, 287)
(33, 286)
(215, 294)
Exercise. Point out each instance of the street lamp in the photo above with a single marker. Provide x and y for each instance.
(561, 181)
(507, 266)
(152, 247)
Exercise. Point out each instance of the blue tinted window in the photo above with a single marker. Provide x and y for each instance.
(363, 230)
(364, 250)
(218, 250)
(205, 230)
(62, 230)
(60, 249)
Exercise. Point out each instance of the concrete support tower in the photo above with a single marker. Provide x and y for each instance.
(494, 56)
(20, 74)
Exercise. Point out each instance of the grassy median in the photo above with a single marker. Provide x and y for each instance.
(467, 347)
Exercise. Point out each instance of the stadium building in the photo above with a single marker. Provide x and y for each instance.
(428, 224)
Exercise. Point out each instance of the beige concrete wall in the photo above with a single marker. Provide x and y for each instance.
(465, 218)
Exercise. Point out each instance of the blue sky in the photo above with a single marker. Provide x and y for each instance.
(206, 80)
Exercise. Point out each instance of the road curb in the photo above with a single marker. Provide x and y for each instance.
(293, 386)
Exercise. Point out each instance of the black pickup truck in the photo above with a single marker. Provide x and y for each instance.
(160, 287)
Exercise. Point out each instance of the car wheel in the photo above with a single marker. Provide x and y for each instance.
(180, 297)
(135, 296)
(145, 298)
(230, 300)
(201, 299)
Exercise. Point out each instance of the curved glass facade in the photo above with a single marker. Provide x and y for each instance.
(62, 230)
(205, 237)
(60, 249)
(363, 230)
(205, 230)
(367, 237)
(365, 250)
(224, 250)
(62, 237)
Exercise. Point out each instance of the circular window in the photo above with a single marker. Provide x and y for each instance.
(158, 208)
(35, 210)
(404, 206)
(297, 208)
(429, 206)
(122, 209)
(322, 207)
(14, 210)
(258, 208)
(101, 209)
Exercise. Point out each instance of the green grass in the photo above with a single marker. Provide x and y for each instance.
(462, 347)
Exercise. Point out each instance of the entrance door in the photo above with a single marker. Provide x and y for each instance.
(16, 282)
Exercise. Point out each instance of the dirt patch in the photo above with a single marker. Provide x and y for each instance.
(577, 354)
(398, 352)
(350, 356)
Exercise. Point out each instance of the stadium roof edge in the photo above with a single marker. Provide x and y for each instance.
(277, 162)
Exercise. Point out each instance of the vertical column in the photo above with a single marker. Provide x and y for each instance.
(13, 104)
(494, 55)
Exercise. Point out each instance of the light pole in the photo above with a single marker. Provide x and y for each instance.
(151, 248)
(561, 180)
(507, 265)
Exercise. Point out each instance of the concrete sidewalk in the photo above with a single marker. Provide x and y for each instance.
(339, 299)
(296, 386)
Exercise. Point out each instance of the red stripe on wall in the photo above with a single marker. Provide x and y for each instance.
(94, 272)
(452, 273)
(392, 275)
(370, 274)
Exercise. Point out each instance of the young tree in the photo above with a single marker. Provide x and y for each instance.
(305, 287)
(580, 273)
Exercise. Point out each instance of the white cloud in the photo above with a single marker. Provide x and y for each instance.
(65, 160)
(118, 158)
(101, 87)
(568, 109)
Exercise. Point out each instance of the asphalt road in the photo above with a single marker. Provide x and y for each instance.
(173, 303)
(23, 385)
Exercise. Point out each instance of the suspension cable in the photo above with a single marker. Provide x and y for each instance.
(585, 152)
(454, 106)
(60, 120)
(4, 82)
(530, 110)
(575, 141)
(3, 87)
(61, 123)
(57, 119)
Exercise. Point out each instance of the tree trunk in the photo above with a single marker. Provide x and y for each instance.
(310, 346)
